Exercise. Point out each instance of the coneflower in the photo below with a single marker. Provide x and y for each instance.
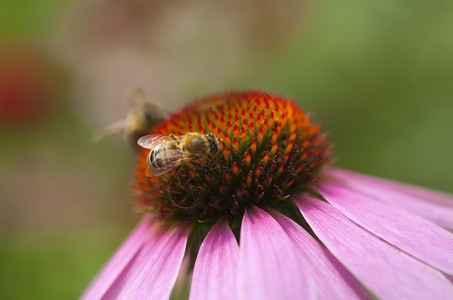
(268, 218)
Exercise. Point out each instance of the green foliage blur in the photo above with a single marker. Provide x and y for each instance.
(376, 74)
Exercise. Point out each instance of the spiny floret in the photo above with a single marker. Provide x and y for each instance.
(270, 148)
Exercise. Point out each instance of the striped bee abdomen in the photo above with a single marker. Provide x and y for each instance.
(164, 156)
(158, 162)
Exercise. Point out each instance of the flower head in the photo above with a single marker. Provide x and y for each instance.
(269, 148)
(263, 219)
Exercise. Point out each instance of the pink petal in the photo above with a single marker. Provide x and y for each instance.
(441, 215)
(331, 278)
(406, 231)
(136, 265)
(426, 194)
(215, 272)
(450, 277)
(269, 264)
(156, 268)
(385, 270)
(438, 214)
(120, 260)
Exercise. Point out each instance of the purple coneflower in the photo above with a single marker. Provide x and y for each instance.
(268, 219)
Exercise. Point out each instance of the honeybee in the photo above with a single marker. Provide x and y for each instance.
(168, 152)
(142, 118)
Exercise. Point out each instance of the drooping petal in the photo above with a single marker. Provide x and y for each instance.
(120, 260)
(216, 267)
(426, 194)
(269, 264)
(156, 268)
(412, 234)
(136, 265)
(439, 214)
(331, 278)
(388, 272)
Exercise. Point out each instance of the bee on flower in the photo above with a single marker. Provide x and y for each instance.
(274, 219)
(168, 152)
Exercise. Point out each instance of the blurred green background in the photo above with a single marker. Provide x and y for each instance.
(377, 74)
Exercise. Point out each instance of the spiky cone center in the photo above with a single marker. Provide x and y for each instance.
(269, 149)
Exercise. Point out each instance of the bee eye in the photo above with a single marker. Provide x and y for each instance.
(213, 148)
(209, 136)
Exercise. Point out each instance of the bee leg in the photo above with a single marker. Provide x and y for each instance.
(173, 137)
(188, 180)
(196, 165)
(199, 166)
(197, 192)
(177, 177)
(173, 194)
(177, 203)
(177, 174)
(213, 175)
(205, 169)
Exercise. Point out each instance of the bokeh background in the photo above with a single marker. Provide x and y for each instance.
(377, 74)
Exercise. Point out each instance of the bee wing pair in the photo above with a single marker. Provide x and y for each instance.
(150, 141)
(173, 158)
(116, 128)
(142, 117)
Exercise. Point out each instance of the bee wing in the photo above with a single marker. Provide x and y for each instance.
(152, 140)
(173, 158)
(112, 129)
(154, 173)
